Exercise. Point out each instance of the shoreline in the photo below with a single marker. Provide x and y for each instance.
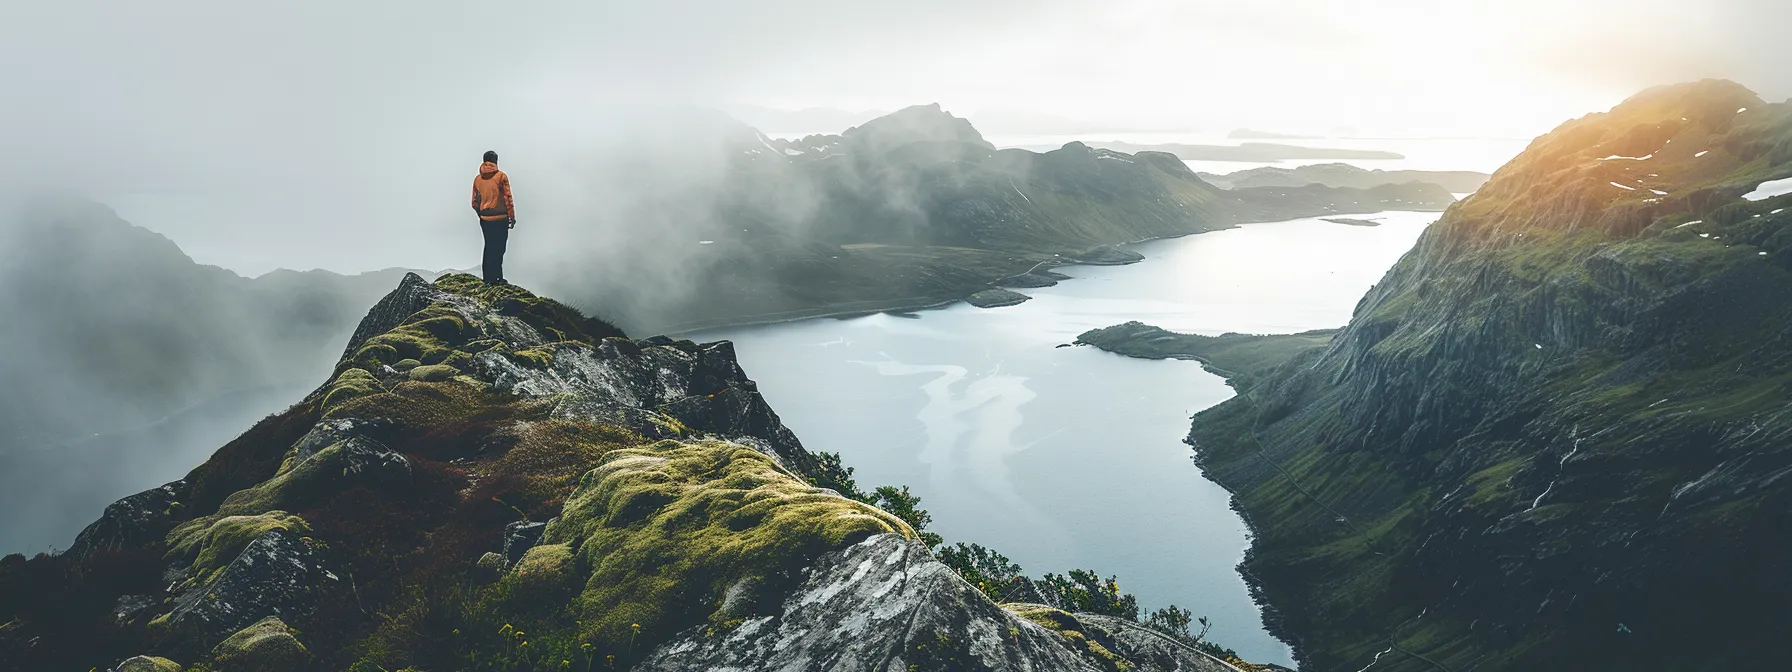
(850, 310)
(913, 304)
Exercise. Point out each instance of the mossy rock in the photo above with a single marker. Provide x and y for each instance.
(266, 646)
(412, 405)
(667, 528)
(1066, 626)
(433, 373)
(350, 384)
(147, 664)
(481, 345)
(344, 464)
(214, 541)
(459, 360)
(372, 355)
(546, 561)
(488, 568)
(534, 358)
(404, 365)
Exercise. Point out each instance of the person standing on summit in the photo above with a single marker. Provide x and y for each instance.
(497, 215)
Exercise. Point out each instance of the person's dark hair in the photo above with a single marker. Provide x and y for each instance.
(491, 157)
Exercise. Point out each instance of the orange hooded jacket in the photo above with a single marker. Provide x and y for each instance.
(491, 195)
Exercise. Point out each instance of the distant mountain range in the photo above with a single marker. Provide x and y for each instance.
(828, 121)
(1345, 175)
(916, 208)
(1254, 152)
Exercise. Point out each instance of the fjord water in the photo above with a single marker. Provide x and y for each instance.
(1064, 458)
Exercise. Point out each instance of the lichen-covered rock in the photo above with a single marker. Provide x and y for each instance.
(266, 646)
(1147, 649)
(130, 608)
(130, 522)
(355, 461)
(147, 664)
(278, 573)
(664, 390)
(882, 604)
(412, 294)
(207, 544)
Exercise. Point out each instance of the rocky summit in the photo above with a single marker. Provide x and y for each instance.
(491, 480)
(1555, 435)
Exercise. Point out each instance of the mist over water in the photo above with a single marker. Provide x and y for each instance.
(49, 493)
(1067, 458)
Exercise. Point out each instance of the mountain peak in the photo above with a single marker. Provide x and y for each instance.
(916, 123)
(1667, 150)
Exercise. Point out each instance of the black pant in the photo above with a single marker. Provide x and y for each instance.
(497, 236)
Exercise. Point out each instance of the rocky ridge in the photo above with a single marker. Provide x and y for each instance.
(491, 480)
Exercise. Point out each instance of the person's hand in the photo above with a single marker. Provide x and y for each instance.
(513, 223)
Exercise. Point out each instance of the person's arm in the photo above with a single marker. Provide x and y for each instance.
(509, 203)
(475, 195)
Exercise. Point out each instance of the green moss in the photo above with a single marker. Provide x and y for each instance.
(1066, 626)
(267, 646)
(459, 360)
(481, 345)
(147, 664)
(667, 527)
(546, 561)
(413, 406)
(406, 365)
(538, 589)
(554, 320)
(371, 355)
(292, 488)
(429, 336)
(534, 358)
(349, 384)
(214, 541)
(433, 373)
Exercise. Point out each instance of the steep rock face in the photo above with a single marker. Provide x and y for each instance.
(1554, 435)
(551, 490)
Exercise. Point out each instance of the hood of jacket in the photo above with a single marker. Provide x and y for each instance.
(488, 169)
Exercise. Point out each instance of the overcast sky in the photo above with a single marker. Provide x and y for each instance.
(342, 134)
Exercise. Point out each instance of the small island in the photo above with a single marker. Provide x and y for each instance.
(996, 298)
(1350, 222)
(1233, 356)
